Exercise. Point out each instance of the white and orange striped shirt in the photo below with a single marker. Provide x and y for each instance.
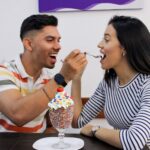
(13, 76)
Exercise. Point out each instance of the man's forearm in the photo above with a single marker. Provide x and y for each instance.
(22, 109)
(76, 95)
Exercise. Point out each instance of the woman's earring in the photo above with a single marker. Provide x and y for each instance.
(123, 53)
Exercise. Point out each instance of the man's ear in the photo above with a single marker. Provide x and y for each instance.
(27, 44)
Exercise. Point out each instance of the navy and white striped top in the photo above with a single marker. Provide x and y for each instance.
(126, 108)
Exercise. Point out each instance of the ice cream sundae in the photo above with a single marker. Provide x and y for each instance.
(61, 110)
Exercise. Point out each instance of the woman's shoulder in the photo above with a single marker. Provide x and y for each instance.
(144, 77)
(144, 80)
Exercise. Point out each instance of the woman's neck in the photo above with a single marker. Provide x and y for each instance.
(126, 78)
(125, 74)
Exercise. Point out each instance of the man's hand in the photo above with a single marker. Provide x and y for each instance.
(73, 65)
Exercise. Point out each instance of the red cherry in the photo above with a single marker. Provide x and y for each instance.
(60, 89)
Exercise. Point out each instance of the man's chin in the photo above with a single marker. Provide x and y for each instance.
(50, 67)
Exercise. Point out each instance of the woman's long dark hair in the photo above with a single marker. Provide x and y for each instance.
(134, 37)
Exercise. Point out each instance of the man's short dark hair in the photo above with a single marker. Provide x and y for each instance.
(37, 22)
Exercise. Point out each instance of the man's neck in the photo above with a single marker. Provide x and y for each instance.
(31, 68)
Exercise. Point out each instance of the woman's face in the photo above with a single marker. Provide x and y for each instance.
(111, 49)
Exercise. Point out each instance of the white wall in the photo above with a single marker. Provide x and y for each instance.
(81, 30)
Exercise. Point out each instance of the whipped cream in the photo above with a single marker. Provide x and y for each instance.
(61, 100)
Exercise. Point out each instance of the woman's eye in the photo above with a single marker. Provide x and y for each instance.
(106, 40)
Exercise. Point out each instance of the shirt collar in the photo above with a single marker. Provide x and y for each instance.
(45, 72)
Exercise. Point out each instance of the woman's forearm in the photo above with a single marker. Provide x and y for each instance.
(109, 136)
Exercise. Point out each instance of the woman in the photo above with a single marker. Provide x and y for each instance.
(124, 94)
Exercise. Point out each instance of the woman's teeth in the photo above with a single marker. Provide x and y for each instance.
(103, 56)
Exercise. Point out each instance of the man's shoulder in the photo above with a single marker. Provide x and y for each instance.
(5, 66)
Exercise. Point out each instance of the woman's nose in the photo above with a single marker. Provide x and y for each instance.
(99, 44)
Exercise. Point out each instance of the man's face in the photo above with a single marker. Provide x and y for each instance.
(45, 46)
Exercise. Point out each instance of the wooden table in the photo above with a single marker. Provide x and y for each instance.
(20, 141)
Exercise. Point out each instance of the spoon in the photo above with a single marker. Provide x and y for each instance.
(86, 53)
(95, 56)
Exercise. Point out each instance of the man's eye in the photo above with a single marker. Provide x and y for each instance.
(49, 39)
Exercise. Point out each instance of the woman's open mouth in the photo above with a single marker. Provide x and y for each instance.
(103, 56)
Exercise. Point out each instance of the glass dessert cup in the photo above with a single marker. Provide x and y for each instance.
(61, 119)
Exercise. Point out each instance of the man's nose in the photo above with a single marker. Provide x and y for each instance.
(57, 46)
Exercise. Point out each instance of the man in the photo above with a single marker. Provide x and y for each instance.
(25, 84)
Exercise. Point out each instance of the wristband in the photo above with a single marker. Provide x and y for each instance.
(59, 79)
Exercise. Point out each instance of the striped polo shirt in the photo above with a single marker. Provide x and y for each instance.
(126, 108)
(13, 76)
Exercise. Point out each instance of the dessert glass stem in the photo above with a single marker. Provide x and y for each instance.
(61, 145)
(61, 137)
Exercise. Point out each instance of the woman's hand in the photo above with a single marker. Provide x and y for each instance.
(87, 130)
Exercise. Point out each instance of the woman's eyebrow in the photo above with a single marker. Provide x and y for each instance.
(107, 34)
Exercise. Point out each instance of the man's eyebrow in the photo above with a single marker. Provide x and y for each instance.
(52, 37)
